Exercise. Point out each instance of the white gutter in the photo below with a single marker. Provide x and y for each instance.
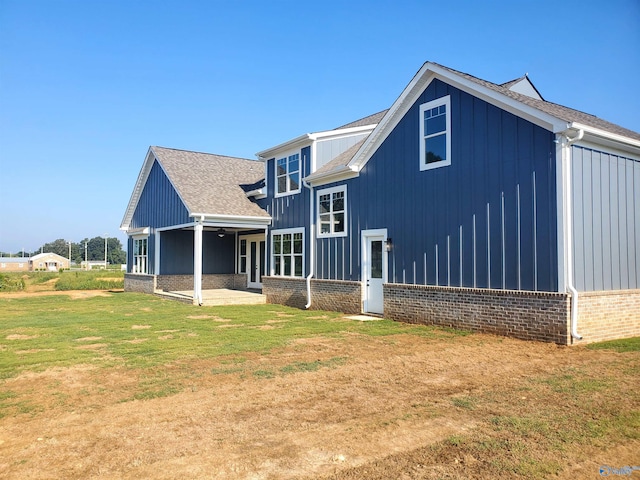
(569, 229)
(312, 229)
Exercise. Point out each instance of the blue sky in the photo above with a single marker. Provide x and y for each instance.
(87, 86)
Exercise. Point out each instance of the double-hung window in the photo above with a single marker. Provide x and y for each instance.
(140, 252)
(332, 211)
(287, 252)
(288, 174)
(435, 133)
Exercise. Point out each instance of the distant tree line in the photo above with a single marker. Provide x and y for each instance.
(95, 250)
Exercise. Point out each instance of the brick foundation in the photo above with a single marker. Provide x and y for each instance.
(139, 283)
(332, 295)
(608, 315)
(540, 316)
(176, 283)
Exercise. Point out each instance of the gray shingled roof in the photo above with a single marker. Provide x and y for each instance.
(370, 120)
(341, 160)
(210, 184)
(559, 111)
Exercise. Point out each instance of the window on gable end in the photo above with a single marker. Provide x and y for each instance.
(288, 174)
(435, 133)
(332, 211)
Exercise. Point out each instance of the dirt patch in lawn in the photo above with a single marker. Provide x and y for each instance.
(347, 407)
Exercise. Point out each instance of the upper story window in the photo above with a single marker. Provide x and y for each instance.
(332, 211)
(435, 133)
(288, 174)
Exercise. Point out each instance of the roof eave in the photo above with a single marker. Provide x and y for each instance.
(288, 145)
(336, 175)
(608, 139)
(233, 220)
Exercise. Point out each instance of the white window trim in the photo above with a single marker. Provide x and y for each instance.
(285, 231)
(330, 191)
(424, 107)
(134, 263)
(275, 174)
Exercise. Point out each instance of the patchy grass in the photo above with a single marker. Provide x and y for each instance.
(140, 331)
(511, 409)
(621, 346)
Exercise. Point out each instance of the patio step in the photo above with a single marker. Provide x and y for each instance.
(223, 296)
(234, 298)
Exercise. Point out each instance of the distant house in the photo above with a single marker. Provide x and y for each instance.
(467, 204)
(14, 264)
(51, 262)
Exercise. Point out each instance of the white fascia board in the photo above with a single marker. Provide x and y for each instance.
(257, 193)
(137, 190)
(421, 81)
(235, 219)
(308, 138)
(609, 140)
(138, 231)
(337, 175)
(344, 132)
(298, 142)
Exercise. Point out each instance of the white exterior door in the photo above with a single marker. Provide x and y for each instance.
(374, 269)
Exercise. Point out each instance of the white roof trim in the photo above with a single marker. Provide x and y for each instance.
(420, 82)
(233, 219)
(335, 175)
(307, 138)
(607, 138)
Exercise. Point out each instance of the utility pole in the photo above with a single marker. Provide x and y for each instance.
(106, 235)
(86, 260)
(69, 255)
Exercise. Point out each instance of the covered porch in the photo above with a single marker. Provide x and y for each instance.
(212, 258)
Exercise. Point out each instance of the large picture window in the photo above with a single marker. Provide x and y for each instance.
(435, 133)
(332, 211)
(287, 252)
(140, 255)
(288, 174)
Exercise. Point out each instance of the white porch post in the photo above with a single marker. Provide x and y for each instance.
(197, 263)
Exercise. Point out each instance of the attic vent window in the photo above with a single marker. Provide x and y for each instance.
(435, 133)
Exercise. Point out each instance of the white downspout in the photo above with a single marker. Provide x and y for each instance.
(197, 261)
(312, 230)
(570, 286)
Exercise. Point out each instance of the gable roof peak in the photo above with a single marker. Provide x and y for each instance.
(524, 86)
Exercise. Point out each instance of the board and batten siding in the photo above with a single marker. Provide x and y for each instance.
(157, 191)
(486, 221)
(176, 253)
(605, 197)
(288, 211)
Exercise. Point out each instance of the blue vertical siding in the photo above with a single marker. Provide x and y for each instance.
(289, 211)
(176, 253)
(605, 200)
(158, 191)
(487, 220)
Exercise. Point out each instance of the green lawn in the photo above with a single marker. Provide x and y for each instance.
(141, 331)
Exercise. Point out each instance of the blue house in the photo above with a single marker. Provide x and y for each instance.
(467, 204)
